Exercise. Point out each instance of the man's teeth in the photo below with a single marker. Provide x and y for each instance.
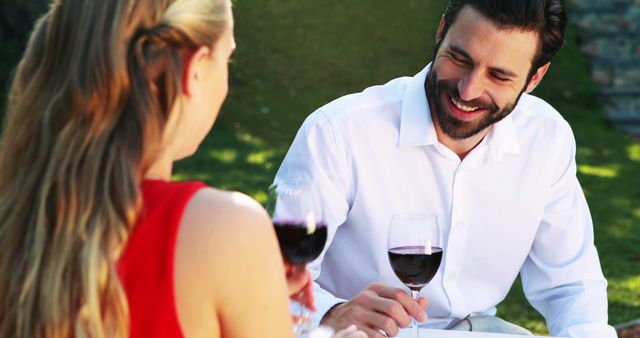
(463, 107)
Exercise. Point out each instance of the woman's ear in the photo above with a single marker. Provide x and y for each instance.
(194, 69)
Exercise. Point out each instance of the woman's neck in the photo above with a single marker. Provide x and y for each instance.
(161, 169)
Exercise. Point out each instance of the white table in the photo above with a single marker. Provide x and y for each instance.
(427, 333)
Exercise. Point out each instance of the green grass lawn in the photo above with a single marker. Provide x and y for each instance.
(294, 56)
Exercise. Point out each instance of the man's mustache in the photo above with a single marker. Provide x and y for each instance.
(445, 87)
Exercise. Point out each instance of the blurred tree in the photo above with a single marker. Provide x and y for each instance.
(17, 18)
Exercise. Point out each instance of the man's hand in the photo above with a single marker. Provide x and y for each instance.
(378, 307)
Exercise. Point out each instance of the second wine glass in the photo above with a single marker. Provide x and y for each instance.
(414, 251)
(298, 219)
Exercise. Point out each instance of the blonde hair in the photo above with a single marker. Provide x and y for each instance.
(85, 117)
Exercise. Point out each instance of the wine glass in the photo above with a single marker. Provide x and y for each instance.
(414, 251)
(296, 213)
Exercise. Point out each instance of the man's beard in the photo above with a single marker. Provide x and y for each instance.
(439, 93)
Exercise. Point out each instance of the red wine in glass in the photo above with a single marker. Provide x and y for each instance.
(414, 251)
(415, 266)
(300, 245)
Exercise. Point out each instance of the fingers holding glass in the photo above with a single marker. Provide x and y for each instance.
(296, 213)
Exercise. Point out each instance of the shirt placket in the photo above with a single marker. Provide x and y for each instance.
(455, 242)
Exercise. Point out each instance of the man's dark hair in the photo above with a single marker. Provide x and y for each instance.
(546, 17)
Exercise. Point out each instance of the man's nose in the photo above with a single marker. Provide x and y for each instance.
(470, 87)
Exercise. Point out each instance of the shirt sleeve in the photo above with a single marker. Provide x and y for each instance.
(324, 300)
(562, 277)
(318, 151)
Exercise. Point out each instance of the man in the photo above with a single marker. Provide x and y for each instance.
(464, 140)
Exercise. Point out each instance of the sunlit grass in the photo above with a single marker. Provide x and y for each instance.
(630, 285)
(250, 139)
(624, 297)
(537, 326)
(261, 197)
(601, 171)
(224, 155)
(634, 152)
(264, 158)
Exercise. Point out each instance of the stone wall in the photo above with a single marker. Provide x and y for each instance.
(609, 33)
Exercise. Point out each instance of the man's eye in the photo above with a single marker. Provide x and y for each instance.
(458, 59)
(498, 77)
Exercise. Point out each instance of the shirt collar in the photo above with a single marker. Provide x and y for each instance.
(416, 125)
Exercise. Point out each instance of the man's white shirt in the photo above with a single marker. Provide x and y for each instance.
(513, 205)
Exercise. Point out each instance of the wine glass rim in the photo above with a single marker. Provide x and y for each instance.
(413, 216)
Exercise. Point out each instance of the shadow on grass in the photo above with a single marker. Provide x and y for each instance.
(623, 308)
(608, 168)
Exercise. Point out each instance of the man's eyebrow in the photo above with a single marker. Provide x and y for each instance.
(503, 71)
(461, 52)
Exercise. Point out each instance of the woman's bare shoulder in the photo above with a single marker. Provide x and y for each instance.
(227, 256)
(215, 206)
(223, 222)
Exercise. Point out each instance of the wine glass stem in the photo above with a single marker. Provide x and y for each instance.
(302, 326)
(304, 316)
(414, 323)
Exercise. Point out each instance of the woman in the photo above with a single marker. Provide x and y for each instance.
(94, 239)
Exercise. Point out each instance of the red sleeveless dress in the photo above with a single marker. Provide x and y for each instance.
(146, 265)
